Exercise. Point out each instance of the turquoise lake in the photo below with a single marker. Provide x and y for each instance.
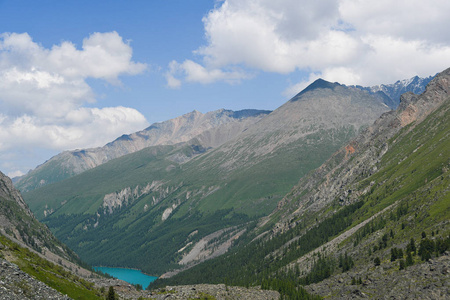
(129, 275)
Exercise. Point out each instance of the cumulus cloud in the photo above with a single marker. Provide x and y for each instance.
(194, 72)
(83, 127)
(350, 41)
(43, 93)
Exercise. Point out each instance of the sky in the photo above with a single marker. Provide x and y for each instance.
(78, 74)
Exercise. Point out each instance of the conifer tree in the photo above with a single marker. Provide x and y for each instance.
(111, 294)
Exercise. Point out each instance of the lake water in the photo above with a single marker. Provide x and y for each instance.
(129, 275)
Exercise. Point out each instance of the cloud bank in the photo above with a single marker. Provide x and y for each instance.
(349, 41)
(43, 93)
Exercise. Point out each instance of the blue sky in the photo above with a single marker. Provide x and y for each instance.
(77, 74)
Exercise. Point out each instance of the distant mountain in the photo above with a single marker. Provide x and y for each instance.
(149, 208)
(372, 221)
(213, 129)
(390, 93)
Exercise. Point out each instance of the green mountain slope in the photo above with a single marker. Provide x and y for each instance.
(360, 209)
(148, 209)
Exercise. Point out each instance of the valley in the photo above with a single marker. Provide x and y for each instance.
(315, 199)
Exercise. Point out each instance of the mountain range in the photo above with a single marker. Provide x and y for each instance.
(213, 129)
(319, 196)
(131, 202)
(391, 93)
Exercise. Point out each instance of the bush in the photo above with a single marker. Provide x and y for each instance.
(377, 261)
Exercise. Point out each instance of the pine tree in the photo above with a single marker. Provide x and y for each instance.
(411, 246)
(409, 260)
(111, 294)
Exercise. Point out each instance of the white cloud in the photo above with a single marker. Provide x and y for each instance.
(351, 41)
(404, 19)
(194, 72)
(43, 93)
(80, 128)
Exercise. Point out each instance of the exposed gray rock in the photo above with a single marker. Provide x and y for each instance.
(218, 291)
(427, 280)
(8, 192)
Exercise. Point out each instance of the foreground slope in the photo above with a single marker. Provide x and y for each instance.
(154, 208)
(33, 263)
(373, 219)
(212, 128)
(18, 222)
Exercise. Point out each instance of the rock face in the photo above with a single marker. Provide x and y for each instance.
(9, 193)
(15, 284)
(211, 129)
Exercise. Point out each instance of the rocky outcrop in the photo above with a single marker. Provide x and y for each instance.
(124, 197)
(212, 245)
(9, 192)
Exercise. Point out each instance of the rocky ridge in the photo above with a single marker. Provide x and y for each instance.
(321, 107)
(211, 129)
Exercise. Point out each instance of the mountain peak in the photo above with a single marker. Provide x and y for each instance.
(318, 84)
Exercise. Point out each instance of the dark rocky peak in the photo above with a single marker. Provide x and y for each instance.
(318, 84)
